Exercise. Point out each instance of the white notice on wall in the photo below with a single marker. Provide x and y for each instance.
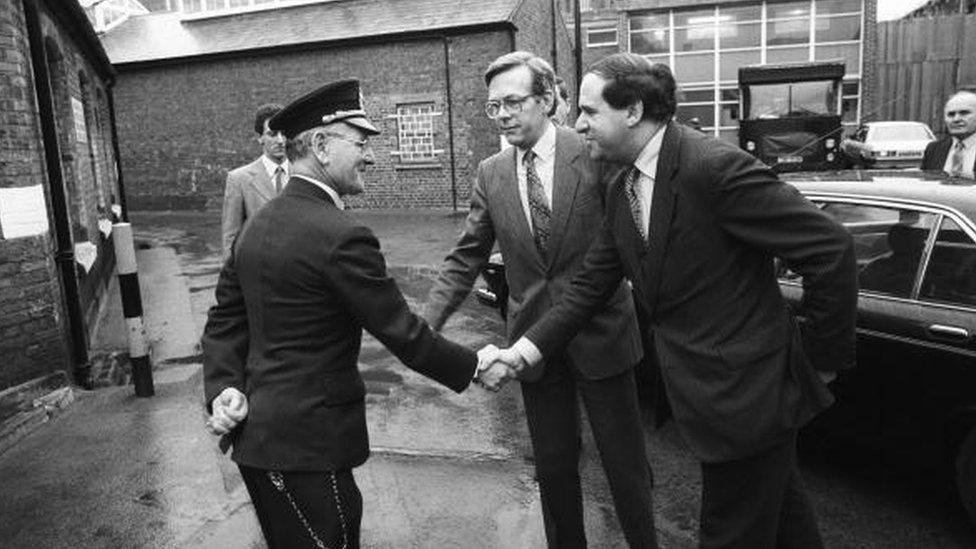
(22, 212)
(85, 254)
(78, 109)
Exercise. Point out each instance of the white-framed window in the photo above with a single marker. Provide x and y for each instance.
(601, 36)
(415, 132)
(200, 9)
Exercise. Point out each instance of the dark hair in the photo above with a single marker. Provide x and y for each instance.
(543, 77)
(632, 78)
(263, 113)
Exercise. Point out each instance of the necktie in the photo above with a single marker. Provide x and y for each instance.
(279, 179)
(538, 205)
(633, 197)
(959, 149)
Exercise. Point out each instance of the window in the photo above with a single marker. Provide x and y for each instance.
(951, 273)
(888, 244)
(601, 37)
(415, 132)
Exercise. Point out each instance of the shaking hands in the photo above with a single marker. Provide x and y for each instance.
(497, 366)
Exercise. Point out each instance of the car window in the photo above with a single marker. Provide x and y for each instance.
(908, 132)
(950, 276)
(888, 243)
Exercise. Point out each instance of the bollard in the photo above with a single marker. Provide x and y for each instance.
(125, 258)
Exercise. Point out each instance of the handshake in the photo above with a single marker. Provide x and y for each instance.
(497, 366)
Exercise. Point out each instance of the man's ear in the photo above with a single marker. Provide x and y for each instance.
(320, 146)
(635, 112)
(548, 101)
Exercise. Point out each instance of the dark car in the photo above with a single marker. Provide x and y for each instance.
(912, 395)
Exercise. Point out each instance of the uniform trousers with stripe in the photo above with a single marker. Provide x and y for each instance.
(332, 511)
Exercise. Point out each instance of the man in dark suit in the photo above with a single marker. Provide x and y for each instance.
(695, 223)
(251, 186)
(541, 199)
(282, 343)
(956, 154)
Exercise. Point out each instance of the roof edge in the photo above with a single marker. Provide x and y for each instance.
(72, 16)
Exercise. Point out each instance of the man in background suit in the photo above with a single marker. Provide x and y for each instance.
(281, 346)
(695, 223)
(251, 186)
(956, 154)
(541, 199)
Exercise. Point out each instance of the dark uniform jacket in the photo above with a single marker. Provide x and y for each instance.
(302, 283)
(609, 342)
(739, 374)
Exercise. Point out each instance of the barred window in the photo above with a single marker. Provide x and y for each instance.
(415, 132)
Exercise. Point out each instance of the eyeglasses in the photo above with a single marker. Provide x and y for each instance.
(513, 105)
(361, 144)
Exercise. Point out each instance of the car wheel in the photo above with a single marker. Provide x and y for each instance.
(966, 473)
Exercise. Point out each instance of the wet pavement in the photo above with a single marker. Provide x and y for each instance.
(447, 470)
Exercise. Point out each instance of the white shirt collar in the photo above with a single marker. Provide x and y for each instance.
(328, 190)
(270, 166)
(646, 161)
(968, 143)
(545, 147)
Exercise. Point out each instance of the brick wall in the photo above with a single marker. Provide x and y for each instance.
(33, 329)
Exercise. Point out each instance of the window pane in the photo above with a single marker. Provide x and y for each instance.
(850, 88)
(780, 33)
(695, 67)
(787, 9)
(601, 37)
(836, 29)
(694, 17)
(729, 94)
(729, 63)
(787, 55)
(837, 6)
(888, 244)
(649, 42)
(649, 22)
(729, 113)
(694, 39)
(214, 4)
(694, 96)
(850, 54)
(704, 113)
(746, 35)
(951, 272)
(797, 99)
(743, 13)
(849, 104)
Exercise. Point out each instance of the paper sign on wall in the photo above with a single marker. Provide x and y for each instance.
(85, 254)
(78, 110)
(23, 212)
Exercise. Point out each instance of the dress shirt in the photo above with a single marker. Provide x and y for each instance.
(646, 164)
(329, 190)
(968, 156)
(271, 166)
(545, 162)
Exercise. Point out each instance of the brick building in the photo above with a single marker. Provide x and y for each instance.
(706, 41)
(190, 79)
(58, 188)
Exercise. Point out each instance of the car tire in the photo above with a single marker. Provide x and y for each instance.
(966, 473)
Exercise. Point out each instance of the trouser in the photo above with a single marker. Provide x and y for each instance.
(757, 502)
(552, 411)
(306, 509)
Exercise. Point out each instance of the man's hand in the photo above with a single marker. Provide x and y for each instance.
(229, 410)
(493, 372)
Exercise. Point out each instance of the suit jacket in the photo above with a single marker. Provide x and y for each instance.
(936, 153)
(304, 279)
(609, 342)
(248, 188)
(739, 373)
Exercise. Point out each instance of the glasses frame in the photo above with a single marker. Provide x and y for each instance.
(511, 104)
(361, 144)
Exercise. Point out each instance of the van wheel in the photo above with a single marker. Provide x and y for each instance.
(966, 474)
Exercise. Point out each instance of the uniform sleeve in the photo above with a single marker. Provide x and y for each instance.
(225, 337)
(756, 207)
(464, 263)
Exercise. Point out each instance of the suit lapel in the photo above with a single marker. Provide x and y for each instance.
(662, 208)
(259, 180)
(565, 184)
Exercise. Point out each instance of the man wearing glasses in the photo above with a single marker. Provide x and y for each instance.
(541, 200)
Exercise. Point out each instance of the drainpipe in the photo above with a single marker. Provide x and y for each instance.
(110, 95)
(578, 37)
(552, 25)
(450, 122)
(65, 254)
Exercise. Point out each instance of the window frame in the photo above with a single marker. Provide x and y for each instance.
(591, 30)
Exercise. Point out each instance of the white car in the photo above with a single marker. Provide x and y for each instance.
(896, 144)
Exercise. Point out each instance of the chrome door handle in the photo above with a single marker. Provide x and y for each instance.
(954, 333)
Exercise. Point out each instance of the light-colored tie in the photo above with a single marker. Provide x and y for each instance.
(959, 150)
(633, 197)
(279, 179)
(538, 205)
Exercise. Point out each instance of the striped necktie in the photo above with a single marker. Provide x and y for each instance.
(633, 197)
(538, 205)
(959, 150)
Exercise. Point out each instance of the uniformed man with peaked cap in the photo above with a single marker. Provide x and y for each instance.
(281, 344)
